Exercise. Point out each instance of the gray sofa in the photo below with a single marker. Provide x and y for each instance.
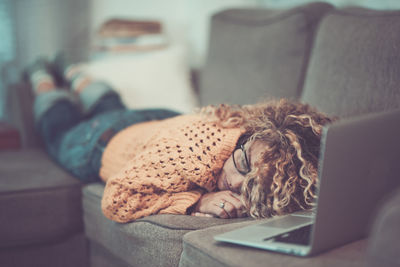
(345, 62)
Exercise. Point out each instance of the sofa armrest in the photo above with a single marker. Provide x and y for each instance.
(383, 244)
(9, 136)
(20, 114)
(200, 249)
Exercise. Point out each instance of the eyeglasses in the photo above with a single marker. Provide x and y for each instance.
(242, 164)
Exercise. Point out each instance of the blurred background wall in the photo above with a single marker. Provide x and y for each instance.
(29, 28)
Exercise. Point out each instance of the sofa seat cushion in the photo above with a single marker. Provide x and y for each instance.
(383, 244)
(69, 252)
(200, 249)
(39, 202)
(354, 67)
(258, 53)
(151, 241)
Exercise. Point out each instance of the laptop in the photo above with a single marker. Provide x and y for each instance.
(359, 165)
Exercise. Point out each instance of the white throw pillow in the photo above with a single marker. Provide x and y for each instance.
(148, 79)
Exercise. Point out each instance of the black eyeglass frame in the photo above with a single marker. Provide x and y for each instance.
(241, 147)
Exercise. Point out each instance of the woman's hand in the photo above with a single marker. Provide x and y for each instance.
(210, 205)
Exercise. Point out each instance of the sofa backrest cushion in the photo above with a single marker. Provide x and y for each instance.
(258, 53)
(355, 63)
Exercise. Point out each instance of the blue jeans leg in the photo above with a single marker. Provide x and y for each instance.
(82, 147)
(77, 144)
(109, 102)
(55, 122)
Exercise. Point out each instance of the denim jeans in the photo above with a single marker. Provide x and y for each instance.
(77, 142)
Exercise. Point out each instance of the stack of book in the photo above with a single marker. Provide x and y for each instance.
(122, 35)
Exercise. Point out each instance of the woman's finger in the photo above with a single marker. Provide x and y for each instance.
(230, 209)
(222, 204)
(235, 201)
(220, 212)
(200, 214)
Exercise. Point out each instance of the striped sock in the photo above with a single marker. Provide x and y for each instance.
(42, 81)
(88, 90)
(78, 80)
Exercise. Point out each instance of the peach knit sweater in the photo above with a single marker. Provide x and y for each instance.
(160, 167)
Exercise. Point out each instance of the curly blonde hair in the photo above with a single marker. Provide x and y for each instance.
(284, 180)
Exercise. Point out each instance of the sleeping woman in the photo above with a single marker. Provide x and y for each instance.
(226, 161)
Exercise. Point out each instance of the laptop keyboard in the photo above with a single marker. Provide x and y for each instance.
(300, 236)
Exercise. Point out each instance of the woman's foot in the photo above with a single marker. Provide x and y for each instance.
(70, 73)
(89, 91)
(40, 77)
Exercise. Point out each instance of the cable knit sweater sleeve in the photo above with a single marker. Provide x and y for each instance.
(167, 173)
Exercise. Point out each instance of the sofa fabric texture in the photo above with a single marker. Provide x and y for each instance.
(354, 68)
(151, 241)
(383, 244)
(102, 257)
(67, 251)
(267, 49)
(201, 250)
(41, 212)
(42, 200)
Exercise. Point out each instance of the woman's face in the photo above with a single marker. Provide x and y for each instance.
(231, 177)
